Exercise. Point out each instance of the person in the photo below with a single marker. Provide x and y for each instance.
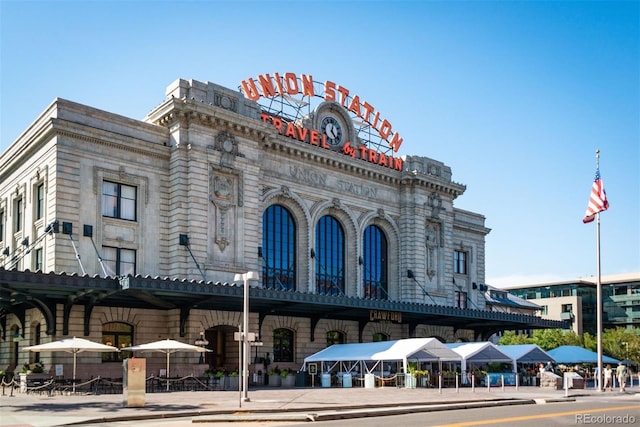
(549, 367)
(621, 373)
(608, 378)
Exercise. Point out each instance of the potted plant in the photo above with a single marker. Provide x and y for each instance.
(410, 377)
(37, 368)
(275, 380)
(207, 375)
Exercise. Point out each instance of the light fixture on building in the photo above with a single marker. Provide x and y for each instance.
(54, 227)
(184, 241)
(201, 342)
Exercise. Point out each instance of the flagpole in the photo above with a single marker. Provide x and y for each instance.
(598, 290)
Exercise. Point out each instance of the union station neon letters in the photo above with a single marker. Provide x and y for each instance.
(289, 84)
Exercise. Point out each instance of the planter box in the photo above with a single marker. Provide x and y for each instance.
(275, 380)
(288, 381)
(410, 381)
(232, 383)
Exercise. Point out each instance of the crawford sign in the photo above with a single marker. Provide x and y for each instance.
(383, 315)
(289, 84)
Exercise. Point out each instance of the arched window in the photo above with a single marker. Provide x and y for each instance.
(335, 337)
(278, 249)
(379, 336)
(374, 263)
(119, 335)
(283, 345)
(329, 257)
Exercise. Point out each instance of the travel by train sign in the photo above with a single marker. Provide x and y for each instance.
(366, 118)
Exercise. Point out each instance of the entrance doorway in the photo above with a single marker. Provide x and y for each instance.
(224, 354)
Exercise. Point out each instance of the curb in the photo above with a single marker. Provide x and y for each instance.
(349, 413)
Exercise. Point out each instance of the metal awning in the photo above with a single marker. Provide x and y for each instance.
(20, 290)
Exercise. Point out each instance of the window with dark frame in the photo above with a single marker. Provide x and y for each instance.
(120, 335)
(38, 259)
(39, 201)
(374, 263)
(329, 253)
(17, 226)
(119, 201)
(278, 249)
(1, 226)
(283, 345)
(461, 299)
(460, 262)
(119, 261)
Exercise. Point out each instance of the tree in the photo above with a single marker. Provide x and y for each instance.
(547, 339)
(511, 338)
(620, 343)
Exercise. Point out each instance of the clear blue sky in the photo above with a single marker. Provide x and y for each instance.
(515, 96)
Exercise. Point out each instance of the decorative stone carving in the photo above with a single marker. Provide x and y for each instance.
(226, 143)
(432, 242)
(435, 203)
(223, 187)
(222, 227)
(225, 101)
(223, 196)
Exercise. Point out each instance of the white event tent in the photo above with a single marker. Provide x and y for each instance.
(526, 353)
(371, 356)
(479, 353)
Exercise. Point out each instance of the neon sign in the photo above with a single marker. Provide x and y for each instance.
(314, 137)
(289, 84)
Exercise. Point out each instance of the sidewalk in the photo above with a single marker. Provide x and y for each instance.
(202, 406)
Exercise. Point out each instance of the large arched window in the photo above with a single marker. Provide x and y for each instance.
(278, 249)
(335, 337)
(380, 336)
(117, 334)
(283, 345)
(374, 264)
(329, 257)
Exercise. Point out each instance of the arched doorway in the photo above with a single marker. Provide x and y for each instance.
(225, 352)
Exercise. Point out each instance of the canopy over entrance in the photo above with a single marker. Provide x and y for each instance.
(348, 357)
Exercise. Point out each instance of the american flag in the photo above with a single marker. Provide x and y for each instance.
(598, 199)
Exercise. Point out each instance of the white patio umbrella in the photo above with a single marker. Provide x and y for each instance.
(168, 347)
(72, 345)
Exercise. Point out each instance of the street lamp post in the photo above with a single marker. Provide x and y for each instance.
(244, 336)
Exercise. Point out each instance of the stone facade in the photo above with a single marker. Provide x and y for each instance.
(205, 164)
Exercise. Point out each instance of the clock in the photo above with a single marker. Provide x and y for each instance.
(331, 127)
